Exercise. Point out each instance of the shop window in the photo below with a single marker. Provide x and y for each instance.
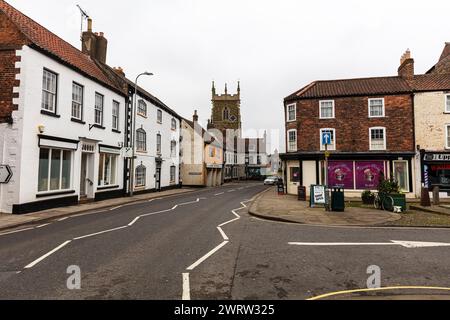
(107, 169)
(55, 167)
(295, 174)
(368, 174)
(401, 175)
(340, 174)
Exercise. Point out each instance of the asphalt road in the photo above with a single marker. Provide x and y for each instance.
(199, 246)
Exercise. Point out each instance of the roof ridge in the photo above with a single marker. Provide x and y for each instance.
(361, 78)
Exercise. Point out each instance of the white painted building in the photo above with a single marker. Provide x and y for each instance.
(157, 141)
(65, 137)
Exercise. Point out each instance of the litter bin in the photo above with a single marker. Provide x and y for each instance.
(337, 199)
(301, 193)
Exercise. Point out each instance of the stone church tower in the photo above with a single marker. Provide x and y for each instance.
(226, 110)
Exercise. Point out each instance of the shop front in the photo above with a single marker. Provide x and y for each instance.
(436, 170)
(354, 173)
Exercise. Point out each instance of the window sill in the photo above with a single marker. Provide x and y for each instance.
(53, 194)
(376, 117)
(77, 121)
(50, 114)
(99, 188)
(327, 118)
(142, 151)
(142, 115)
(159, 122)
(116, 131)
(290, 121)
(97, 126)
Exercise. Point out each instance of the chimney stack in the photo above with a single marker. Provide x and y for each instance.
(119, 71)
(95, 44)
(195, 117)
(406, 69)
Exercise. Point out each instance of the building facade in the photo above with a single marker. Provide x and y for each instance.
(62, 120)
(66, 122)
(369, 123)
(432, 126)
(202, 160)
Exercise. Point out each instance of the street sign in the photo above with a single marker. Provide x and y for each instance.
(326, 138)
(5, 174)
(128, 152)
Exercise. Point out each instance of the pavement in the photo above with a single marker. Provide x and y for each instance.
(8, 221)
(287, 208)
(443, 209)
(204, 245)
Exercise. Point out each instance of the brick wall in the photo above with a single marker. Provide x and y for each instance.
(11, 39)
(352, 124)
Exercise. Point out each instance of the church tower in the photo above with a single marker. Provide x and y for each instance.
(226, 110)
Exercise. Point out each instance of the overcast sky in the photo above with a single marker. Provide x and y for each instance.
(273, 47)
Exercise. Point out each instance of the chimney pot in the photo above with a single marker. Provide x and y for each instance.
(195, 117)
(406, 69)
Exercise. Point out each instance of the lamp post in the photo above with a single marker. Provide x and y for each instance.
(133, 132)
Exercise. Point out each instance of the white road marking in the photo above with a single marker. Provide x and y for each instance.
(16, 231)
(42, 225)
(134, 221)
(35, 262)
(224, 236)
(206, 256)
(186, 287)
(405, 244)
(231, 191)
(101, 232)
(219, 194)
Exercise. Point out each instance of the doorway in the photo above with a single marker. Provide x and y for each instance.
(83, 179)
(158, 177)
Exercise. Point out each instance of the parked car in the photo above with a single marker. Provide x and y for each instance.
(272, 181)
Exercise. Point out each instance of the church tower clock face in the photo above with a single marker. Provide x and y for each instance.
(233, 118)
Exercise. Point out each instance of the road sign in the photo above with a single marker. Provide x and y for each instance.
(326, 138)
(5, 173)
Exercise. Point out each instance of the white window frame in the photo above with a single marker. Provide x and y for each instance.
(173, 175)
(159, 116)
(99, 110)
(143, 113)
(158, 144)
(142, 175)
(407, 173)
(333, 109)
(173, 124)
(77, 104)
(447, 103)
(112, 173)
(115, 115)
(447, 144)
(173, 148)
(49, 172)
(289, 142)
(288, 112)
(383, 108)
(140, 143)
(384, 136)
(331, 147)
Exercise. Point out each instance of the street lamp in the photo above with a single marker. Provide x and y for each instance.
(133, 132)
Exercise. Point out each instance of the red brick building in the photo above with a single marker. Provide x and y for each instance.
(371, 125)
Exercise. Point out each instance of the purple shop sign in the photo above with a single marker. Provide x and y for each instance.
(368, 174)
(340, 174)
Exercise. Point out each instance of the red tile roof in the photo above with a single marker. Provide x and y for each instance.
(430, 82)
(53, 45)
(352, 87)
